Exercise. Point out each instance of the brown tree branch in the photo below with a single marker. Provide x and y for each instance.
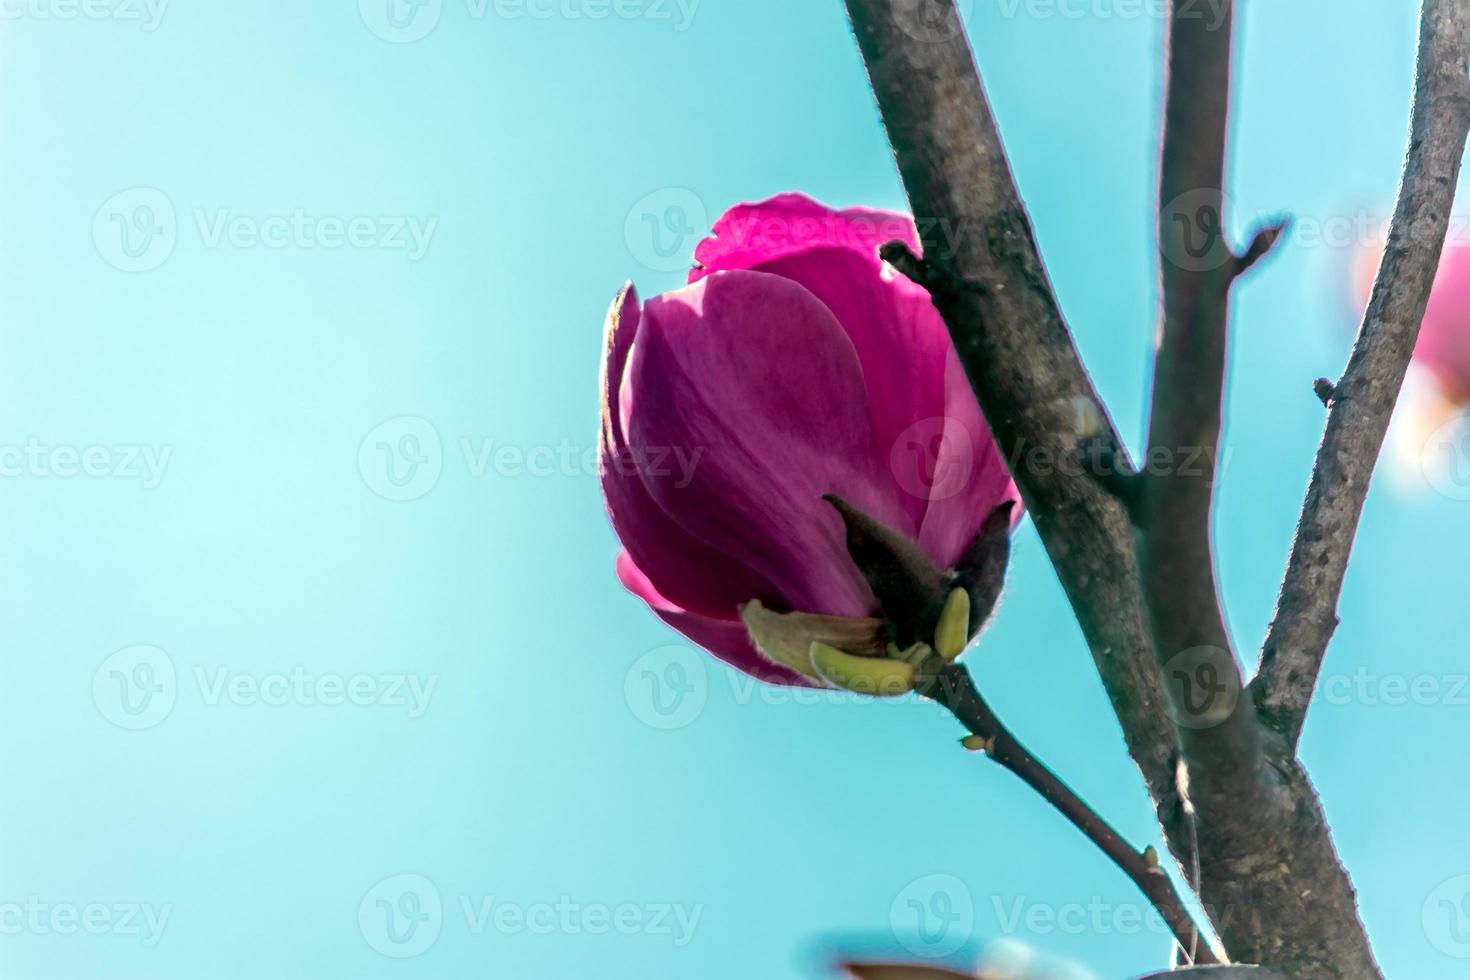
(1287, 901)
(1010, 335)
(1175, 550)
(1362, 402)
(955, 689)
(1263, 840)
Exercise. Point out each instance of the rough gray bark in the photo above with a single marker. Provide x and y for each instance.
(1263, 840)
(1269, 874)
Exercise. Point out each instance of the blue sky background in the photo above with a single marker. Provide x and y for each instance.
(257, 485)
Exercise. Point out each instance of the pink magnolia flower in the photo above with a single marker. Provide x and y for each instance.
(794, 365)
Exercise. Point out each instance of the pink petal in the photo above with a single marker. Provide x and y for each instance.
(754, 374)
(1444, 340)
(966, 474)
(685, 569)
(749, 235)
(901, 342)
(619, 331)
(725, 639)
(926, 421)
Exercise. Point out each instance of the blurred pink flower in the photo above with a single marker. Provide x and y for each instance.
(794, 364)
(1444, 340)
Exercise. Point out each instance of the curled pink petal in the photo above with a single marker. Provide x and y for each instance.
(900, 341)
(755, 375)
(750, 235)
(963, 470)
(689, 572)
(926, 420)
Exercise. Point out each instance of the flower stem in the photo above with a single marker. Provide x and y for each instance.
(953, 687)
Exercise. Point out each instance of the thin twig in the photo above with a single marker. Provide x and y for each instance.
(1219, 734)
(1362, 402)
(1197, 269)
(955, 689)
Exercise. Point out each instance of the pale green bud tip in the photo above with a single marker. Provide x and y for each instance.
(953, 632)
(786, 638)
(1151, 858)
(974, 743)
(875, 676)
